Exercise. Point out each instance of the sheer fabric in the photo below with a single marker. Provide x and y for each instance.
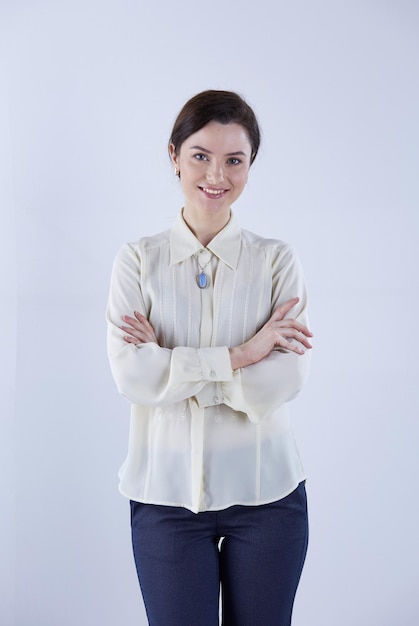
(202, 436)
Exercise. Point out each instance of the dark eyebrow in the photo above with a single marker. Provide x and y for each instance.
(200, 148)
(209, 151)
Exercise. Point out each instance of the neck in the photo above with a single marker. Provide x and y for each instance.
(207, 227)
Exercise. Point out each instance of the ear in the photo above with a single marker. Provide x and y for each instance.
(173, 155)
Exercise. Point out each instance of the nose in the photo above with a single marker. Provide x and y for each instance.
(215, 173)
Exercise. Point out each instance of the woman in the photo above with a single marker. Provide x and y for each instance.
(208, 341)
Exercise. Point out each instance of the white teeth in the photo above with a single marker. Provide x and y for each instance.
(214, 192)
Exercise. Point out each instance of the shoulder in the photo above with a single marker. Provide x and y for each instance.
(143, 245)
(152, 241)
(278, 256)
(276, 247)
(134, 255)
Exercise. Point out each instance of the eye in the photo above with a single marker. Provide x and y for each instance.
(234, 161)
(200, 157)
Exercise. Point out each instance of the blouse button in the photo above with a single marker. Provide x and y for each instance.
(216, 399)
(204, 256)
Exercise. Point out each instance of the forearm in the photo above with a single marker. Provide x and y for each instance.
(239, 357)
(150, 375)
(278, 331)
(259, 388)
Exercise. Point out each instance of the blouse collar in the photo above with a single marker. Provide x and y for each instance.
(225, 245)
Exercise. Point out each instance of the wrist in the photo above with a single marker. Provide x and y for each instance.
(239, 357)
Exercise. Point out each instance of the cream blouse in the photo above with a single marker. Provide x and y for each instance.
(202, 436)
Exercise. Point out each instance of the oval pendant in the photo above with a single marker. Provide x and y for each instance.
(202, 280)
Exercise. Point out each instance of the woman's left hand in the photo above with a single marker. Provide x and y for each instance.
(139, 329)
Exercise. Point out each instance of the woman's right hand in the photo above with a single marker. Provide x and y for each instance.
(139, 329)
(277, 332)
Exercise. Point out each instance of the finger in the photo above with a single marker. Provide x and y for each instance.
(292, 333)
(131, 320)
(291, 347)
(130, 330)
(140, 325)
(290, 323)
(138, 335)
(283, 309)
(148, 326)
(142, 319)
(296, 349)
(303, 340)
(130, 339)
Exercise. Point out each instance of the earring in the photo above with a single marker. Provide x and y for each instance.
(177, 173)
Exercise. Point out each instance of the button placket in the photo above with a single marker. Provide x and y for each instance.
(206, 300)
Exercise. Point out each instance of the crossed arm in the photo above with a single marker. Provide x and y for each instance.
(277, 332)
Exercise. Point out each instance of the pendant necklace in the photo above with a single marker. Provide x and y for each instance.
(202, 278)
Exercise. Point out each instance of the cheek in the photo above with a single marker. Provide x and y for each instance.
(188, 179)
(190, 169)
(240, 178)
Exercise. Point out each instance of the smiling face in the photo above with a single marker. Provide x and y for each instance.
(214, 165)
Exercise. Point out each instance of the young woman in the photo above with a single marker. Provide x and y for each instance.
(208, 341)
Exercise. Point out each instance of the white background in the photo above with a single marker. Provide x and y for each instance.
(89, 93)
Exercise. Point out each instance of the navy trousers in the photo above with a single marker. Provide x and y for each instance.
(256, 553)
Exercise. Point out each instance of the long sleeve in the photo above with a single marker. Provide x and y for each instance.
(201, 436)
(259, 389)
(149, 374)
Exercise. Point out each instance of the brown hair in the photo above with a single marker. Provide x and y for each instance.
(215, 106)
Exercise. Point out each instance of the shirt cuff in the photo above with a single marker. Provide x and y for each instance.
(210, 395)
(215, 364)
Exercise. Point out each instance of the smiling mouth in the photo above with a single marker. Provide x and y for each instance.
(213, 192)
